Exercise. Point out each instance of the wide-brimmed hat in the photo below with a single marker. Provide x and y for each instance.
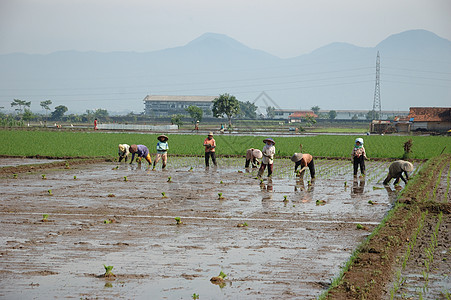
(269, 140)
(257, 153)
(133, 148)
(160, 137)
(360, 140)
(210, 133)
(121, 147)
(296, 157)
(407, 166)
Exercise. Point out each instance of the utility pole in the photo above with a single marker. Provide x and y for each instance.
(377, 91)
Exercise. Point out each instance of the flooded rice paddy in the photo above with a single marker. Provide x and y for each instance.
(282, 237)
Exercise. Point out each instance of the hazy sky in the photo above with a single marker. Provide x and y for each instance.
(285, 28)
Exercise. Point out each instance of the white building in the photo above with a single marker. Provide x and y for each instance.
(166, 105)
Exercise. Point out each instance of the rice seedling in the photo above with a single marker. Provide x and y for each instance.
(371, 202)
(219, 279)
(15, 176)
(44, 176)
(50, 192)
(285, 198)
(178, 221)
(125, 178)
(220, 197)
(221, 182)
(242, 224)
(45, 217)
(195, 296)
(360, 226)
(108, 271)
(320, 202)
(163, 194)
(169, 179)
(67, 166)
(75, 177)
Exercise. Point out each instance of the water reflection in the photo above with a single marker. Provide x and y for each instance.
(392, 194)
(306, 192)
(358, 187)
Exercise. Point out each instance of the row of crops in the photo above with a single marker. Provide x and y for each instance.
(64, 143)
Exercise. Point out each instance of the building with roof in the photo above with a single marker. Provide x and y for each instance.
(167, 105)
(426, 119)
(297, 116)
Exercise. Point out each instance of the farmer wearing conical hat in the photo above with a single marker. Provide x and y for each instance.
(358, 156)
(162, 151)
(304, 160)
(252, 156)
(269, 150)
(396, 169)
(210, 146)
(141, 151)
(124, 151)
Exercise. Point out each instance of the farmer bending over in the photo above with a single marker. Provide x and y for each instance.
(396, 169)
(124, 152)
(252, 156)
(304, 160)
(141, 151)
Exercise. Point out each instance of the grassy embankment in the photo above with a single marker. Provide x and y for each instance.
(100, 144)
(374, 263)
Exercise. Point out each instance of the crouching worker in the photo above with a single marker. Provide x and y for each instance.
(268, 157)
(124, 152)
(396, 169)
(252, 156)
(162, 151)
(303, 160)
(141, 151)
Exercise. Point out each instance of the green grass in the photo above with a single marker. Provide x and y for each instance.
(92, 144)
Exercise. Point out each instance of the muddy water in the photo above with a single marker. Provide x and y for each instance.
(13, 162)
(290, 248)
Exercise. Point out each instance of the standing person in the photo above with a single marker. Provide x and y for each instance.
(141, 151)
(210, 146)
(162, 151)
(95, 124)
(303, 160)
(358, 156)
(252, 156)
(396, 169)
(196, 126)
(269, 150)
(124, 152)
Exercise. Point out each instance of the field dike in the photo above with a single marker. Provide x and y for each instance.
(397, 260)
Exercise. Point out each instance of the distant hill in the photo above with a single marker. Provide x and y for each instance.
(415, 71)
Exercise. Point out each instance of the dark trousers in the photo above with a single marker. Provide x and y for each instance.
(207, 158)
(311, 167)
(263, 167)
(254, 163)
(359, 161)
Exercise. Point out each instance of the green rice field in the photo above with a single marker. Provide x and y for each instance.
(96, 144)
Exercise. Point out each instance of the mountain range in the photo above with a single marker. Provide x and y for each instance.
(415, 70)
